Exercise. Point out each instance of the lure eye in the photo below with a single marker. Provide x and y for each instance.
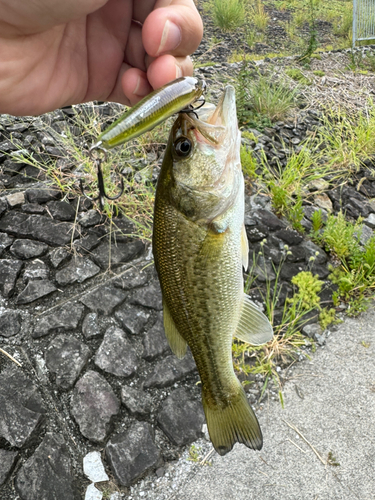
(183, 147)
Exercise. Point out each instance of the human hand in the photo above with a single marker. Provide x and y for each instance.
(54, 53)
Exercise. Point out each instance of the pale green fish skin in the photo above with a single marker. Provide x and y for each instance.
(200, 249)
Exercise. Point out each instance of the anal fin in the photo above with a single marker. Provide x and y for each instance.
(254, 327)
(176, 342)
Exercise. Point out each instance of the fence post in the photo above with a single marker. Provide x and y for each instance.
(354, 22)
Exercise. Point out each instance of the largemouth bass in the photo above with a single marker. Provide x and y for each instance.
(200, 246)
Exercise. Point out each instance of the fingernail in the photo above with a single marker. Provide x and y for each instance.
(178, 72)
(170, 39)
(141, 88)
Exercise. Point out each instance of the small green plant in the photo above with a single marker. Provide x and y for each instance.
(249, 135)
(296, 214)
(309, 287)
(327, 317)
(291, 30)
(369, 61)
(355, 276)
(273, 99)
(317, 224)
(285, 183)
(251, 38)
(259, 17)
(194, 453)
(342, 237)
(300, 17)
(343, 25)
(297, 75)
(228, 15)
(312, 42)
(319, 72)
(248, 162)
(106, 494)
(332, 460)
(356, 61)
(261, 99)
(348, 140)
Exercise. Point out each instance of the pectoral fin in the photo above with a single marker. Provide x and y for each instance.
(253, 327)
(175, 341)
(244, 248)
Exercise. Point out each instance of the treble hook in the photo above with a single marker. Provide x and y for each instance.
(102, 194)
(192, 110)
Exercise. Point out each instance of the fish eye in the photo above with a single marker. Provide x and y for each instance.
(183, 147)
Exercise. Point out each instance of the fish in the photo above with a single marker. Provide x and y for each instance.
(200, 248)
(152, 110)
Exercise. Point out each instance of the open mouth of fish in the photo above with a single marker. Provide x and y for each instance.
(213, 122)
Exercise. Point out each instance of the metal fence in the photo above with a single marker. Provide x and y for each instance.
(363, 20)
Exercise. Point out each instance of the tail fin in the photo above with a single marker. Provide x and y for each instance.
(234, 423)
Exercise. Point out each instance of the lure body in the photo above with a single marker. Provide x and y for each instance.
(152, 110)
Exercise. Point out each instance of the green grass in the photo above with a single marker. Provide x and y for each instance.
(233, 15)
(261, 99)
(248, 162)
(355, 275)
(297, 75)
(348, 140)
(258, 16)
(137, 202)
(286, 184)
(239, 56)
(228, 15)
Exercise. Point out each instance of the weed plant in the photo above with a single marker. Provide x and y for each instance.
(348, 140)
(287, 342)
(271, 99)
(286, 184)
(248, 162)
(343, 25)
(355, 275)
(258, 16)
(228, 15)
(297, 75)
(137, 202)
(312, 42)
(262, 100)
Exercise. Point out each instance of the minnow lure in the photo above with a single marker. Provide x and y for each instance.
(155, 108)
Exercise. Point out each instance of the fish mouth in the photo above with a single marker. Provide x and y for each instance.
(225, 110)
(213, 122)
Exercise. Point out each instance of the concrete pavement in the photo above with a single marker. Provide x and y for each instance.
(330, 400)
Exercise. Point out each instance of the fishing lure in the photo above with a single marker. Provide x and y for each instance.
(175, 97)
(155, 108)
